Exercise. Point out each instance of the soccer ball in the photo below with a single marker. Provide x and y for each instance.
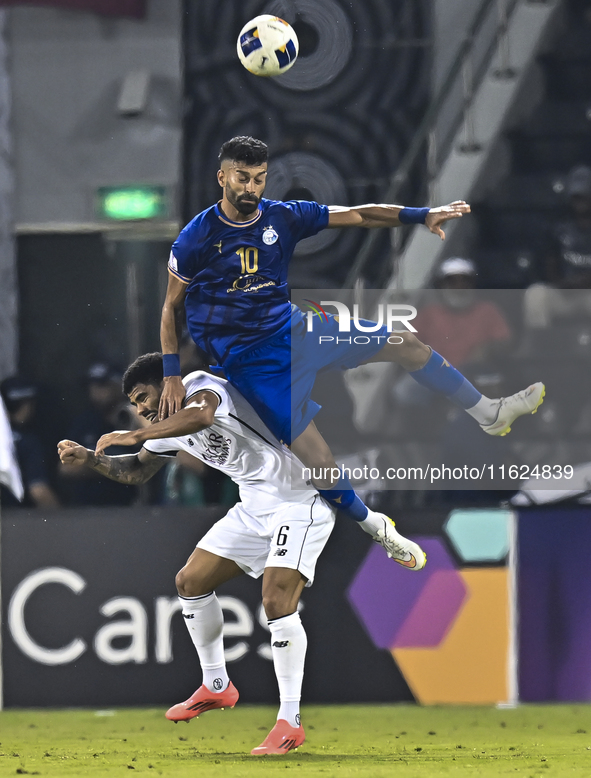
(267, 46)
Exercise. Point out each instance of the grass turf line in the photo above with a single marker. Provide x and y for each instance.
(342, 740)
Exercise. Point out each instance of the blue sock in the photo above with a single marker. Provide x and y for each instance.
(342, 497)
(439, 376)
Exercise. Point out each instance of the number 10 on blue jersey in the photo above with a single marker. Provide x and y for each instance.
(249, 259)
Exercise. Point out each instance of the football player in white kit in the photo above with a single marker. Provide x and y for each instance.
(277, 530)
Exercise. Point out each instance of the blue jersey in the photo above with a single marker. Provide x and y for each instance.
(236, 272)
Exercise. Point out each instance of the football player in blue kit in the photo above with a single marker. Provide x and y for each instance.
(228, 267)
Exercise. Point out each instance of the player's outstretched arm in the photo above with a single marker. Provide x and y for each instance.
(187, 421)
(371, 216)
(172, 310)
(130, 469)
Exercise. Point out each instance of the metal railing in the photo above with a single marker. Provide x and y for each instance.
(468, 68)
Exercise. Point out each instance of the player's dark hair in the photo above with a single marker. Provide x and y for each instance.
(243, 148)
(146, 369)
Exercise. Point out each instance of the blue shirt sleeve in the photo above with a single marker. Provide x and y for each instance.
(311, 217)
(182, 262)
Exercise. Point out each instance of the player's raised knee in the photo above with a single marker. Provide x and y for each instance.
(189, 582)
(181, 582)
(276, 604)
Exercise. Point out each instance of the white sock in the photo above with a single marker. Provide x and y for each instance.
(205, 622)
(372, 523)
(485, 411)
(288, 644)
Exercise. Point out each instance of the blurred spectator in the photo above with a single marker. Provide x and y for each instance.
(20, 398)
(568, 261)
(463, 328)
(107, 410)
(191, 482)
(569, 247)
(545, 305)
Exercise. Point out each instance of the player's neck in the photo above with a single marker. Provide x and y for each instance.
(233, 214)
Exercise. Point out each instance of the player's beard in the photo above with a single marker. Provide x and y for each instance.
(244, 204)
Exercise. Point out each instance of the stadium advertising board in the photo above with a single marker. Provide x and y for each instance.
(91, 617)
(554, 605)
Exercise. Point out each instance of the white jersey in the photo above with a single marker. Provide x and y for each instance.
(239, 444)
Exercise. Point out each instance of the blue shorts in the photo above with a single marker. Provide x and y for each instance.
(277, 377)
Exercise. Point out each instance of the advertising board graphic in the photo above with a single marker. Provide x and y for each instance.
(554, 605)
(90, 615)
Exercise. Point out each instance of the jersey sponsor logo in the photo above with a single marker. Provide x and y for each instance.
(188, 615)
(281, 644)
(217, 448)
(172, 263)
(269, 236)
(250, 283)
(218, 246)
(280, 552)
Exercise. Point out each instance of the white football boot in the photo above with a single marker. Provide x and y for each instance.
(510, 408)
(399, 548)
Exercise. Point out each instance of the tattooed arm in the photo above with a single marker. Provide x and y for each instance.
(131, 469)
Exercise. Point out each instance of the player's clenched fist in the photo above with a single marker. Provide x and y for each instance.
(71, 453)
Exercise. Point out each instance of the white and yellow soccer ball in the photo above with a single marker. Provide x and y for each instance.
(267, 46)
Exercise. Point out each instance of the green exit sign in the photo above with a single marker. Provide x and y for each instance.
(126, 203)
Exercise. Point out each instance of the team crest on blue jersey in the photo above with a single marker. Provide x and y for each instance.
(269, 236)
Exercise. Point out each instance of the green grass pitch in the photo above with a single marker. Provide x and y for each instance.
(343, 740)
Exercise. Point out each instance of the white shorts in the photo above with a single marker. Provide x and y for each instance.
(292, 536)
